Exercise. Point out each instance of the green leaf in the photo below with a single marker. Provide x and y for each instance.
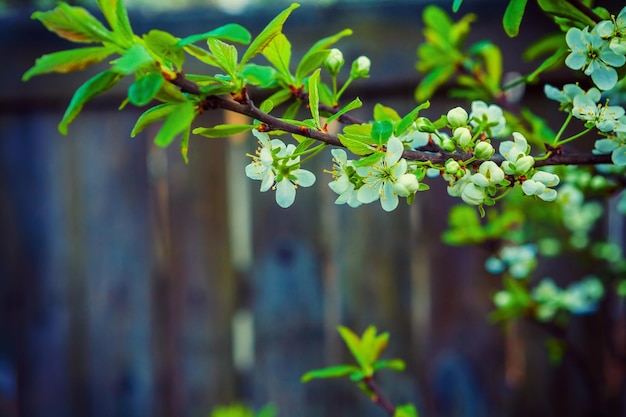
(513, 17)
(456, 5)
(96, 85)
(406, 410)
(552, 62)
(184, 145)
(144, 89)
(230, 32)
(259, 75)
(135, 58)
(492, 58)
(433, 80)
(337, 371)
(408, 120)
(68, 61)
(354, 344)
(278, 53)
(369, 160)
(565, 9)
(115, 13)
(225, 55)
(357, 138)
(74, 23)
(320, 46)
(621, 288)
(222, 131)
(314, 98)
(201, 54)
(267, 34)
(177, 121)
(165, 46)
(385, 113)
(393, 364)
(152, 115)
(310, 63)
(382, 131)
(354, 104)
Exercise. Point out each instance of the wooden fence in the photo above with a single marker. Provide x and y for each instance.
(135, 285)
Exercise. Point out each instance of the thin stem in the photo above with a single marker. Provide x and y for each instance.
(345, 86)
(378, 397)
(573, 137)
(562, 129)
(586, 10)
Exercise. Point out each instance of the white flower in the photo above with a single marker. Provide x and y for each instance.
(539, 183)
(606, 118)
(334, 61)
(379, 179)
(489, 173)
(341, 183)
(515, 153)
(274, 167)
(489, 117)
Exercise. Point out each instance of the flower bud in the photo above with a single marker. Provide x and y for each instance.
(452, 166)
(406, 185)
(524, 164)
(448, 145)
(360, 67)
(424, 125)
(334, 61)
(457, 117)
(462, 136)
(484, 150)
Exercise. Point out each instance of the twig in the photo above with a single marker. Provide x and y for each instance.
(378, 397)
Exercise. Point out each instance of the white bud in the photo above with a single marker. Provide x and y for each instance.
(457, 117)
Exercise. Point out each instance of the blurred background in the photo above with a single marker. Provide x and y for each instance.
(133, 284)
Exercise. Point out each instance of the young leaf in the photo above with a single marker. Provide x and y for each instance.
(222, 131)
(354, 344)
(152, 115)
(433, 80)
(314, 98)
(144, 89)
(231, 32)
(115, 13)
(410, 118)
(382, 131)
(337, 371)
(165, 45)
(406, 410)
(201, 54)
(310, 64)
(177, 121)
(552, 62)
(320, 46)
(260, 75)
(94, 86)
(278, 53)
(267, 34)
(385, 113)
(354, 104)
(393, 364)
(184, 145)
(74, 23)
(133, 59)
(563, 8)
(513, 17)
(225, 55)
(68, 61)
(456, 5)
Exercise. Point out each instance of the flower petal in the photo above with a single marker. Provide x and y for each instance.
(285, 193)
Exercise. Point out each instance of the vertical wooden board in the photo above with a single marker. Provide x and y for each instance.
(33, 279)
(288, 325)
(202, 271)
(115, 231)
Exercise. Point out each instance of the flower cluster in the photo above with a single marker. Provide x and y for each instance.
(578, 298)
(386, 180)
(599, 50)
(277, 168)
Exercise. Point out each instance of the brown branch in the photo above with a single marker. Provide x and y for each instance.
(586, 10)
(246, 107)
